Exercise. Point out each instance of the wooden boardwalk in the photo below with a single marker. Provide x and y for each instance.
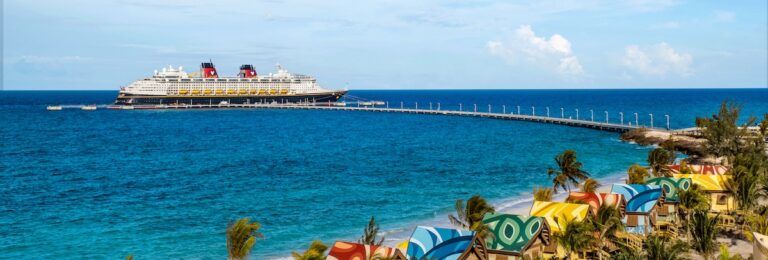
(610, 127)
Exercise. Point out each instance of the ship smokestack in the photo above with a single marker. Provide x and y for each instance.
(247, 71)
(208, 70)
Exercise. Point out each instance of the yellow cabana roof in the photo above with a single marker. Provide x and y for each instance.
(707, 182)
(558, 214)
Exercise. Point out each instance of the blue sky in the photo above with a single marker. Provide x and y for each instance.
(96, 44)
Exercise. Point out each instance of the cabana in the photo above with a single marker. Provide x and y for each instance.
(595, 200)
(444, 243)
(721, 199)
(517, 237)
(672, 188)
(642, 202)
(700, 169)
(354, 251)
(558, 215)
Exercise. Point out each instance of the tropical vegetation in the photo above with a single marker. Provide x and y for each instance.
(636, 174)
(316, 251)
(659, 159)
(241, 237)
(470, 216)
(542, 194)
(568, 172)
(575, 237)
(370, 234)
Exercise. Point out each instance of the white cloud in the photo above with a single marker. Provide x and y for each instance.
(658, 60)
(554, 52)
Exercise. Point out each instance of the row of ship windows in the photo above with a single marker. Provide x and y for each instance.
(230, 80)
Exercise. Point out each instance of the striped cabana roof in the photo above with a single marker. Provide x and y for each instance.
(438, 243)
(348, 251)
(595, 200)
(671, 186)
(513, 234)
(712, 183)
(701, 169)
(559, 214)
(640, 198)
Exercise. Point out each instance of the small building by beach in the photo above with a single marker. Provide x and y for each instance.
(642, 204)
(445, 243)
(558, 215)
(517, 237)
(597, 199)
(699, 169)
(721, 199)
(348, 250)
(671, 187)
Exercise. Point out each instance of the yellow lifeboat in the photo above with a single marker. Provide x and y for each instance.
(243, 91)
(219, 91)
(272, 91)
(208, 91)
(253, 91)
(283, 91)
(261, 92)
(230, 91)
(195, 92)
(183, 92)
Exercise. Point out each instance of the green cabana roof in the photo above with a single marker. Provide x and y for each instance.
(514, 233)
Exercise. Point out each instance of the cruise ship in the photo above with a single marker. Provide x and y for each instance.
(174, 86)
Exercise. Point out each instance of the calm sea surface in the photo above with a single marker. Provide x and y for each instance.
(164, 184)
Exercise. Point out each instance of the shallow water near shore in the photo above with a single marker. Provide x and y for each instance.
(164, 184)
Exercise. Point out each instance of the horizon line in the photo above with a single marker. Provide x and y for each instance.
(385, 89)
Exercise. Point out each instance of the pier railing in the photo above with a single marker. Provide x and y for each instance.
(435, 109)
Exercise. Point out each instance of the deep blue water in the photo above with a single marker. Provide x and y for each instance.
(164, 184)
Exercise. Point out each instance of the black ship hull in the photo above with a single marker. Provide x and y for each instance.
(328, 97)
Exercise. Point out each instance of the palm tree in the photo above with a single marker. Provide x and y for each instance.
(542, 194)
(471, 216)
(755, 222)
(569, 171)
(129, 257)
(575, 237)
(659, 159)
(725, 255)
(659, 247)
(316, 251)
(691, 200)
(241, 236)
(589, 185)
(369, 234)
(704, 231)
(606, 223)
(744, 186)
(636, 174)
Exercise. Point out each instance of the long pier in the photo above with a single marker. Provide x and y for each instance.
(604, 126)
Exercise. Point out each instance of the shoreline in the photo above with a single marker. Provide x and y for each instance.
(519, 204)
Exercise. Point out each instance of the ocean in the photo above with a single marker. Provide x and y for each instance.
(164, 184)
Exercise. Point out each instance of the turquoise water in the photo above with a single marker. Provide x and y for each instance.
(164, 184)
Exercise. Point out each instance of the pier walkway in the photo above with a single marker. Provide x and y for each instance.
(604, 126)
